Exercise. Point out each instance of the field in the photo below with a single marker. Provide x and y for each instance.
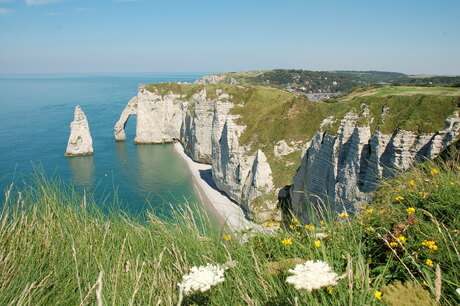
(404, 91)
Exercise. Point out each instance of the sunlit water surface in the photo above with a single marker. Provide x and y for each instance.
(35, 113)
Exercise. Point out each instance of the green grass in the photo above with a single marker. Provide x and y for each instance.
(57, 247)
(271, 115)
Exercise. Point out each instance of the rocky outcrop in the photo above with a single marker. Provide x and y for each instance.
(282, 149)
(119, 129)
(344, 169)
(203, 122)
(80, 141)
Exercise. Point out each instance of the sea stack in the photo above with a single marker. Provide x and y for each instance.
(80, 141)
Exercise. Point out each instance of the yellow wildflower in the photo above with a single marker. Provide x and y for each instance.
(227, 237)
(433, 247)
(286, 241)
(429, 262)
(378, 295)
(369, 211)
(368, 229)
(402, 239)
(291, 226)
(310, 227)
(329, 290)
(410, 210)
(343, 215)
(427, 243)
(393, 244)
(411, 183)
(363, 207)
(399, 198)
(294, 220)
(434, 171)
(451, 183)
(317, 243)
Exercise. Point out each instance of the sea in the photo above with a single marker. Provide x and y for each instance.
(35, 115)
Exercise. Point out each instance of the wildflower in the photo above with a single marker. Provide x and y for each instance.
(329, 290)
(321, 235)
(430, 244)
(202, 278)
(410, 210)
(310, 227)
(393, 244)
(429, 262)
(402, 239)
(411, 183)
(343, 215)
(363, 207)
(312, 275)
(317, 243)
(369, 211)
(434, 171)
(227, 237)
(451, 183)
(381, 211)
(322, 222)
(399, 198)
(294, 220)
(378, 295)
(369, 229)
(271, 224)
(286, 241)
(291, 226)
(298, 233)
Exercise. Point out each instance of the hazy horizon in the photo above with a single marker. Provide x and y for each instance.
(158, 36)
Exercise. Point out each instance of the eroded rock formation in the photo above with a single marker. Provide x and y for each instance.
(80, 141)
(340, 167)
(343, 170)
(210, 134)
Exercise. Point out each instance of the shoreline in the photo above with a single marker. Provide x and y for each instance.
(226, 211)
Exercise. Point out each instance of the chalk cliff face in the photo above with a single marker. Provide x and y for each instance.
(339, 166)
(345, 169)
(80, 141)
(209, 133)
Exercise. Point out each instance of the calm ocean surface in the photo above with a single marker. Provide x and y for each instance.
(35, 114)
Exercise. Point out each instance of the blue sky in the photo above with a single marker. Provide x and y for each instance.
(408, 36)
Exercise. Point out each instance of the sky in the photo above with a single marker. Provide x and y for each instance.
(60, 36)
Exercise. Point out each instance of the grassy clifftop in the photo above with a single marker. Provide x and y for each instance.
(271, 114)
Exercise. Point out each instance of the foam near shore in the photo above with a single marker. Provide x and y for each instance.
(229, 212)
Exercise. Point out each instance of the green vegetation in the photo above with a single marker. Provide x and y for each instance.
(58, 248)
(271, 114)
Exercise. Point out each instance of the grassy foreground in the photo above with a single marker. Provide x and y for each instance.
(56, 247)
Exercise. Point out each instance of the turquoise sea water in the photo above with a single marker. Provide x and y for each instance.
(35, 114)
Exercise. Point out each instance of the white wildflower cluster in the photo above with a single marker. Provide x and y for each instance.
(202, 278)
(312, 275)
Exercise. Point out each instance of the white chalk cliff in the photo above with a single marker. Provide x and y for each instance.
(344, 169)
(80, 141)
(210, 135)
(341, 168)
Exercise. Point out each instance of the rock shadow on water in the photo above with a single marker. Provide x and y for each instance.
(82, 168)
